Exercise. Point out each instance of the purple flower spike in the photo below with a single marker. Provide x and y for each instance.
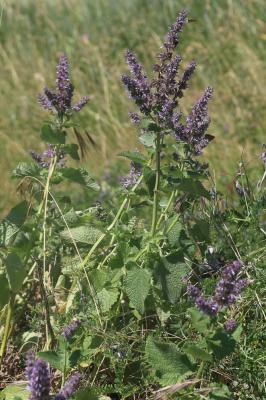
(70, 387)
(83, 101)
(70, 329)
(39, 379)
(230, 325)
(60, 99)
(193, 291)
(208, 306)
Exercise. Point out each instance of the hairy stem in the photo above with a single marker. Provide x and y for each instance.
(157, 184)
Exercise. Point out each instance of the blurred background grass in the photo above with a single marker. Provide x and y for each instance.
(228, 40)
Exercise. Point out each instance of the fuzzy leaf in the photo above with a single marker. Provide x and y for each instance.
(52, 136)
(10, 225)
(197, 353)
(26, 169)
(167, 361)
(170, 273)
(193, 187)
(15, 391)
(148, 139)
(135, 156)
(4, 290)
(16, 271)
(80, 176)
(137, 285)
(174, 234)
(72, 150)
(107, 298)
(82, 234)
(199, 320)
(56, 360)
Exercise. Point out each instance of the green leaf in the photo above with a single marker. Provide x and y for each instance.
(15, 391)
(221, 344)
(26, 169)
(169, 364)
(197, 353)
(52, 135)
(72, 150)
(149, 178)
(193, 187)
(148, 139)
(16, 272)
(201, 231)
(80, 176)
(107, 298)
(171, 272)
(87, 394)
(200, 321)
(10, 225)
(4, 291)
(82, 234)
(135, 156)
(56, 360)
(137, 285)
(174, 233)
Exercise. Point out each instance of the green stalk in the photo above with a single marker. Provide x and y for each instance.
(157, 184)
(10, 309)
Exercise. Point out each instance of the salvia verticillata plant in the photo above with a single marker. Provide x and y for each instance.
(144, 266)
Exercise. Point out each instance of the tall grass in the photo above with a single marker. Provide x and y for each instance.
(228, 40)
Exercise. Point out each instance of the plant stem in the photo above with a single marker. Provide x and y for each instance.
(157, 184)
(6, 333)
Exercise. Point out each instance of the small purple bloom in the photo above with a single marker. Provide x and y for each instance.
(193, 291)
(135, 118)
(230, 325)
(70, 329)
(183, 83)
(69, 388)
(83, 101)
(133, 176)
(207, 305)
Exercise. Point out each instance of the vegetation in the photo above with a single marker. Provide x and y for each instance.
(150, 286)
(227, 39)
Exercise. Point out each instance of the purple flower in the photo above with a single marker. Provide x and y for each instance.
(207, 305)
(61, 98)
(183, 83)
(133, 176)
(44, 159)
(83, 101)
(230, 325)
(70, 329)
(193, 291)
(38, 374)
(229, 286)
(135, 118)
(69, 388)
(172, 38)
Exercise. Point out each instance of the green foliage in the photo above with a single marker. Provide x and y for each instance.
(137, 285)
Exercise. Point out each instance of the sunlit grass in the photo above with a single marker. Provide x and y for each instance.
(228, 40)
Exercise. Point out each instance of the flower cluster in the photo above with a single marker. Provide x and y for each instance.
(70, 329)
(39, 377)
(159, 98)
(226, 291)
(230, 325)
(69, 388)
(44, 159)
(60, 99)
(133, 176)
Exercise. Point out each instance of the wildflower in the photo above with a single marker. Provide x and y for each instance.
(229, 286)
(70, 329)
(207, 305)
(133, 176)
(159, 97)
(44, 159)
(135, 118)
(69, 388)
(230, 325)
(39, 379)
(60, 99)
